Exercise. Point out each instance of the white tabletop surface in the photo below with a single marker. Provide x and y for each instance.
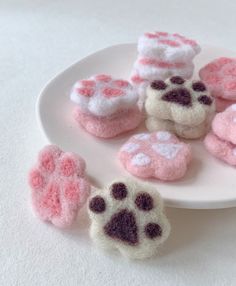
(37, 40)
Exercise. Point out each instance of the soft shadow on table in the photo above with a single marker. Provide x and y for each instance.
(189, 228)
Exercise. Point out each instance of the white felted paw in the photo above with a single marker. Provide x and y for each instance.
(101, 95)
(152, 68)
(182, 101)
(168, 47)
(128, 216)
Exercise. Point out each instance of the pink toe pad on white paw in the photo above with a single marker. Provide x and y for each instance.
(221, 149)
(160, 155)
(59, 187)
(224, 124)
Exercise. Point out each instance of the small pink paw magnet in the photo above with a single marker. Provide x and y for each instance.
(220, 79)
(160, 155)
(59, 187)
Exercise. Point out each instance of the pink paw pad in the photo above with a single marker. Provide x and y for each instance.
(160, 155)
(220, 78)
(59, 187)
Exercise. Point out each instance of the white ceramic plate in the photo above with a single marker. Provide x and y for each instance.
(208, 183)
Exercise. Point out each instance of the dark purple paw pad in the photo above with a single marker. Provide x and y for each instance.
(199, 86)
(204, 99)
(177, 80)
(97, 204)
(158, 85)
(122, 226)
(119, 191)
(179, 95)
(144, 202)
(153, 230)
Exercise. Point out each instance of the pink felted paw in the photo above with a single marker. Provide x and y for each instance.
(59, 187)
(221, 104)
(108, 127)
(220, 77)
(221, 149)
(224, 124)
(160, 155)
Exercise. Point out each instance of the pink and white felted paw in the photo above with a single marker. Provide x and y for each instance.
(168, 47)
(220, 78)
(101, 95)
(224, 124)
(59, 187)
(221, 149)
(152, 68)
(160, 155)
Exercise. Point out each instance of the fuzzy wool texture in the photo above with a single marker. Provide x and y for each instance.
(162, 55)
(224, 124)
(58, 184)
(183, 131)
(39, 39)
(145, 246)
(151, 68)
(221, 149)
(102, 95)
(193, 114)
(168, 47)
(159, 155)
(220, 78)
(140, 84)
(221, 103)
(110, 126)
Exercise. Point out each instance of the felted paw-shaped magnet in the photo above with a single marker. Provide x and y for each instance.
(160, 155)
(153, 68)
(220, 77)
(168, 47)
(102, 95)
(128, 216)
(59, 187)
(182, 101)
